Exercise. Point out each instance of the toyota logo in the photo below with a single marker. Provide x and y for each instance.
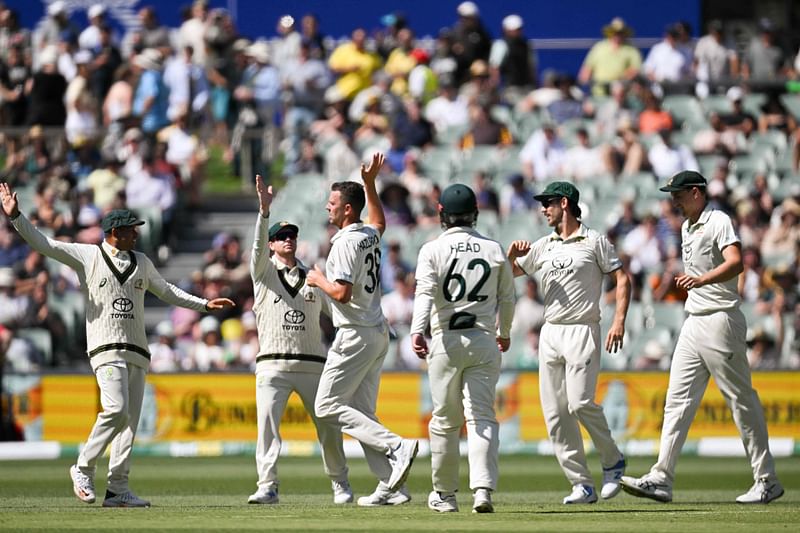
(123, 305)
(561, 262)
(294, 317)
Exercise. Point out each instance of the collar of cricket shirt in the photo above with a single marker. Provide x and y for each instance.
(581, 233)
(702, 220)
(355, 226)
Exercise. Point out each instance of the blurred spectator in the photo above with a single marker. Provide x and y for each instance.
(165, 356)
(667, 158)
(187, 86)
(652, 357)
(542, 156)
(625, 154)
(749, 282)
(260, 87)
(512, 61)
(627, 221)
(448, 110)
(774, 115)
(763, 352)
(151, 34)
(611, 59)
(398, 305)
(248, 352)
(664, 62)
(529, 309)
(584, 161)
(354, 65)
(653, 118)
(13, 75)
(400, 61)
(411, 128)
(105, 62)
(89, 38)
(484, 130)
(542, 96)
(714, 60)
(12, 35)
(45, 92)
(286, 49)
(570, 103)
(764, 59)
(662, 284)
(151, 97)
(614, 110)
(188, 154)
(56, 24)
(780, 240)
(485, 194)
(13, 249)
(479, 88)
(105, 182)
(643, 247)
(208, 353)
(192, 31)
(422, 81)
(738, 118)
(309, 27)
(470, 40)
(395, 205)
(393, 266)
(118, 103)
(515, 196)
(15, 309)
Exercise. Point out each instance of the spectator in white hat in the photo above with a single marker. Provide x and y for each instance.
(89, 38)
(56, 24)
(511, 59)
(470, 40)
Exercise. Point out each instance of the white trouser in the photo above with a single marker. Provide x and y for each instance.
(121, 392)
(569, 363)
(348, 392)
(712, 345)
(273, 388)
(463, 367)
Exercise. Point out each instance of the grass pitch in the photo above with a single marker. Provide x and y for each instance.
(208, 494)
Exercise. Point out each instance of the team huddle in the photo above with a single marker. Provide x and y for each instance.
(463, 310)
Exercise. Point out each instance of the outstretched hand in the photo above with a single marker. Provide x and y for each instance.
(369, 173)
(219, 303)
(9, 200)
(264, 195)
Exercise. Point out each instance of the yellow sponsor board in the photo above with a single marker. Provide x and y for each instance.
(211, 407)
(634, 406)
(208, 407)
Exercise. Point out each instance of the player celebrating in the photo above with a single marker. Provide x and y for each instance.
(573, 260)
(291, 354)
(464, 288)
(114, 279)
(711, 343)
(348, 387)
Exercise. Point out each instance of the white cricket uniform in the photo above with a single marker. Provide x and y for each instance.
(290, 358)
(348, 387)
(113, 283)
(711, 343)
(465, 288)
(569, 345)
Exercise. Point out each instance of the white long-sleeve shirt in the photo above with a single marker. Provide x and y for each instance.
(114, 283)
(462, 278)
(287, 311)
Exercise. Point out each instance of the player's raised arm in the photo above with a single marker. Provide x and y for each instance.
(375, 216)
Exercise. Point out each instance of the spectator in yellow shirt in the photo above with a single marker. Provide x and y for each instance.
(354, 65)
(611, 59)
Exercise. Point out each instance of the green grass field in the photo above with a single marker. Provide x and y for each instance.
(204, 494)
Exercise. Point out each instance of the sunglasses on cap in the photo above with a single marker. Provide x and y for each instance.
(286, 235)
(547, 202)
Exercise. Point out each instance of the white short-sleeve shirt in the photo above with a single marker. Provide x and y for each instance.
(572, 272)
(702, 245)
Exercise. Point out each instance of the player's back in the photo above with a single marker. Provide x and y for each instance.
(466, 271)
(355, 258)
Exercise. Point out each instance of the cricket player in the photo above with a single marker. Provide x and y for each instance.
(573, 261)
(348, 387)
(465, 290)
(114, 279)
(711, 343)
(291, 355)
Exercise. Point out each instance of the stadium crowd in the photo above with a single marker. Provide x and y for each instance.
(92, 120)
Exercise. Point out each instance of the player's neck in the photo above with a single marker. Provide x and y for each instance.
(568, 227)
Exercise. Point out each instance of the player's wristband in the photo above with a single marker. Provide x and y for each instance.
(15, 217)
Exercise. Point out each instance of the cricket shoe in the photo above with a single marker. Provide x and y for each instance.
(384, 496)
(581, 494)
(124, 499)
(442, 503)
(264, 496)
(611, 477)
(82, 485)
(646, 487)
(342, 493)
(482, 501)
(401, 460)
(762, 491)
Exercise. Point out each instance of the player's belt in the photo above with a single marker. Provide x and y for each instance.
(290, 357)
(119, 346)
